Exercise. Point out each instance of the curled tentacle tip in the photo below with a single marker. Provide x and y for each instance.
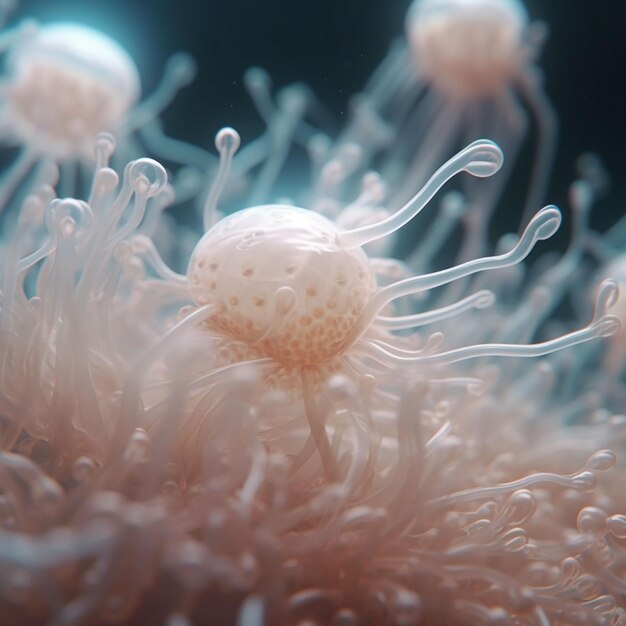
(294, 99)
(147, 176)
(484, 299)
(617, 526)
(602, 460)
(107, 179)
(183, 67)
(69, 218)
(255, 78)
(485, 158)
(433, 342)
(546, 222)
(584, 481)
(608, 293)
(606, 326)
(227, 141)
(368, 383)
(106, 142)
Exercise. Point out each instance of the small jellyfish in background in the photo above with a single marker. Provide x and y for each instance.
(63, 84)
(465, 69)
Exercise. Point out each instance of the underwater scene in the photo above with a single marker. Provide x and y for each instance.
(312, 314)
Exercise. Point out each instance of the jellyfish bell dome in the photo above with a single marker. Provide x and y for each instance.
(467, 48)
(281, 281)
(67, 82)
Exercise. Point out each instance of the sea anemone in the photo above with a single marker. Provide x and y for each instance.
(272, 437)
(281, 464)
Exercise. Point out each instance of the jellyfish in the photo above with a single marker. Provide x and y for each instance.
(464, 70)
(64, 83)
(297, 295)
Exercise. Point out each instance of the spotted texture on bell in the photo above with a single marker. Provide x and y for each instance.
(281, 282)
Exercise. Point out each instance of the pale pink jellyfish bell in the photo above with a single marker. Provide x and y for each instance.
(64, 83)
(468, 48)
(468, 70)
(67, 83)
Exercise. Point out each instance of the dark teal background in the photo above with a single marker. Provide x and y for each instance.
(333, 45)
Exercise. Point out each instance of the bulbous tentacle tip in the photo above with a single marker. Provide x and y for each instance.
(602, 460)
(545, 223)
(484, 158)
(227, 141)
(606, 326)
(105, 144)
(607, 296)
(105, 139)
(484, 299)
(617, 525)
(256, 78)
(147, 176)
(69, 218)
(584, 481)
(294, 99)
(182, 67)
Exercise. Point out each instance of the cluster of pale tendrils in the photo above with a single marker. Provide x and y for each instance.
(261, 441)
(274, 437)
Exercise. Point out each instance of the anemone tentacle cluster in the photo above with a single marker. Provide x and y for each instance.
(300, 429)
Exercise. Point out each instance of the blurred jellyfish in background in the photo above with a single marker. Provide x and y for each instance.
(464, 70)
(63, 84)
(283, 433)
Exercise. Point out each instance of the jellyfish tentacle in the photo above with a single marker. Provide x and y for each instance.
(479, 300)
(227, 142)
(482, 158)
(545, 223)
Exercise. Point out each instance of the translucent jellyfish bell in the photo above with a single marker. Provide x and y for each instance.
(442, 32)
(64, 84)
(68, 82)
(466, 69)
